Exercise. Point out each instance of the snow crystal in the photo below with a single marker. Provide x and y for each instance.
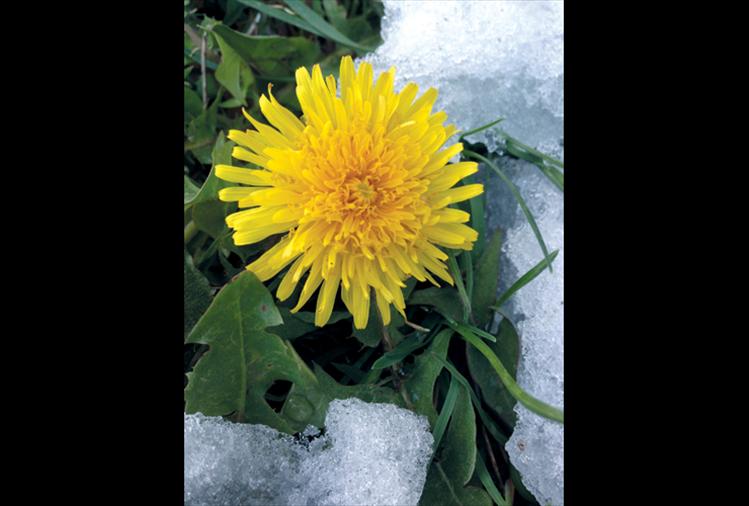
(232, 464)
(492, 59)
(487, 59)
(369, 454)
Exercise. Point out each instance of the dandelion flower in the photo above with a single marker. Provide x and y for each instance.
(360, 188)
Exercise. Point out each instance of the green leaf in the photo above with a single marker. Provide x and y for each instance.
(331, 389)
(270, 55)
(446, 300)
(420, 384)
(292, 327)
(525, 279)
(231, 103)
(191, 190)
(233, 72)
(193, 105)
(486, 278)
(227, 378)
(495, 394)
(518, 198)
(453, 467)
(208, 212)
(197, 294)
(458, 457)
(322, 26)
(244, 360)
(201, 132)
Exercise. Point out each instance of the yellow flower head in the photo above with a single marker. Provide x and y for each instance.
(360, 188)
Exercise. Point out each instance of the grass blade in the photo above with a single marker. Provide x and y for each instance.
(525, 279)
(318, 23)
(281, 15)
(553, 174)
(537, 406)
(527, 151)
(518, 197)
(458, 277)
(487, 482)
(400, 352)
(447, 411)
(354, 372)
(472, 328)
(485, 419)
(548, 165)
(350, 372)
(479, 129)
(481, 333)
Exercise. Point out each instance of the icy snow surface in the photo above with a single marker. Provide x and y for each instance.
(369, 454)
(504, 59)
(487, 60)
(536, 447)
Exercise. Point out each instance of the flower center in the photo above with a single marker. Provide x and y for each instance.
(366, 192)
(358, 192)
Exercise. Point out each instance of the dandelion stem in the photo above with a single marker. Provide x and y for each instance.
(395, 368)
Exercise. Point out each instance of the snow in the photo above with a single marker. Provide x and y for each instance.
(369, 453)
(536, 447)
(487, 59)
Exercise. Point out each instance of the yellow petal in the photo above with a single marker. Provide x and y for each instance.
(235, 193)
(384, 307)
(244, 176)
(360, 310)
(280, 117)
(313, 281)
(451, 174)
(459, 194)
(290, 280)
(326, 297)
